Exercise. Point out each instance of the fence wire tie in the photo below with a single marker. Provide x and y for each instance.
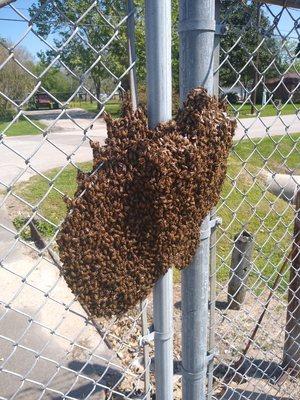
(213, 224)
(152, 334)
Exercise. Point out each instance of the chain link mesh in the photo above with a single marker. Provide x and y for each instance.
(50, 347)
(255, 251)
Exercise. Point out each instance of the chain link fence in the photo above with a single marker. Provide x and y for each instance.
(49, 345)
(255, 251)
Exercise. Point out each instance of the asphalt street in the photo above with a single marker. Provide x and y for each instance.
(24, 156)
(267, 126)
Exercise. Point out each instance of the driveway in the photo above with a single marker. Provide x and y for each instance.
(24, 156)
(68, 141)
(267, 126)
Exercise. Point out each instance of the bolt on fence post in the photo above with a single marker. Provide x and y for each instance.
(159, 92)
(196, 30)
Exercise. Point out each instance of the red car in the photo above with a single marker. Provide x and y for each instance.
(43, 100)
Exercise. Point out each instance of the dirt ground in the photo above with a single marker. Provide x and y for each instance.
(260, 376)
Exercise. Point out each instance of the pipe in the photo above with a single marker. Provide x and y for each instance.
(282, 185)
(196, 30)
(134, 103)
(159, 78)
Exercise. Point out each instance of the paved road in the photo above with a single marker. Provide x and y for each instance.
(23, 156)
(256, 128)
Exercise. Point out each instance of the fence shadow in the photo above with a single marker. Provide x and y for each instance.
(83, 387)
(249, 368)
(261, 369)
(240, 394)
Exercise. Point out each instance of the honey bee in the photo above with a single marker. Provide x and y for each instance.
(138, 212)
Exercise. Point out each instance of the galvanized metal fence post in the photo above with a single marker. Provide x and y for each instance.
(196, 29)
(291, 351)
(134, 102)
(213, 238)
(132, 53)
(159, 91)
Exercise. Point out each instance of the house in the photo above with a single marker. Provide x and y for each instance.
(238, 90)
(285, 87)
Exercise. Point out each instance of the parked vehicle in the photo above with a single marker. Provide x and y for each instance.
(43, 100)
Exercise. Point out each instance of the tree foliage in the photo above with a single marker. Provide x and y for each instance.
(93, 44)
(86, 38)
(248, 44)
(55, 81)
(15, 82)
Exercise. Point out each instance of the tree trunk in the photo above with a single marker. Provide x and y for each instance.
(98, 94)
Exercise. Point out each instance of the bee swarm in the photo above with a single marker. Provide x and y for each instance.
(139, 213)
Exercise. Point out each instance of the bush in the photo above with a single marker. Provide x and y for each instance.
(231, 97)
(6, 114)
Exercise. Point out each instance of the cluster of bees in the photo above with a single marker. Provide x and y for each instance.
(139, 213)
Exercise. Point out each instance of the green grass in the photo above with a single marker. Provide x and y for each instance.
(276, 153)
(244, 111)
(112, 107)
(245, 204)
(44, 228)
(21, 128)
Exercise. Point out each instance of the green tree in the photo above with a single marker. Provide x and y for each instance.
(248, 41)
(96, 32)
(56, 81)
(86, 39)
(15, 82)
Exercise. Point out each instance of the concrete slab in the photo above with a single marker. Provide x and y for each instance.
(34, 365)
(267, 126)
(47, 347)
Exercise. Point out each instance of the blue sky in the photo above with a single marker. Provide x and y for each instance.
(14, 30)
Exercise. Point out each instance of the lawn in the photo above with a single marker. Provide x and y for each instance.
(244, 110)
(276, 153)
(112, 107)
(244, 205)
(21, 128)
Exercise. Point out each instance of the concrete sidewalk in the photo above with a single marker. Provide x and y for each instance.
(42, 341)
